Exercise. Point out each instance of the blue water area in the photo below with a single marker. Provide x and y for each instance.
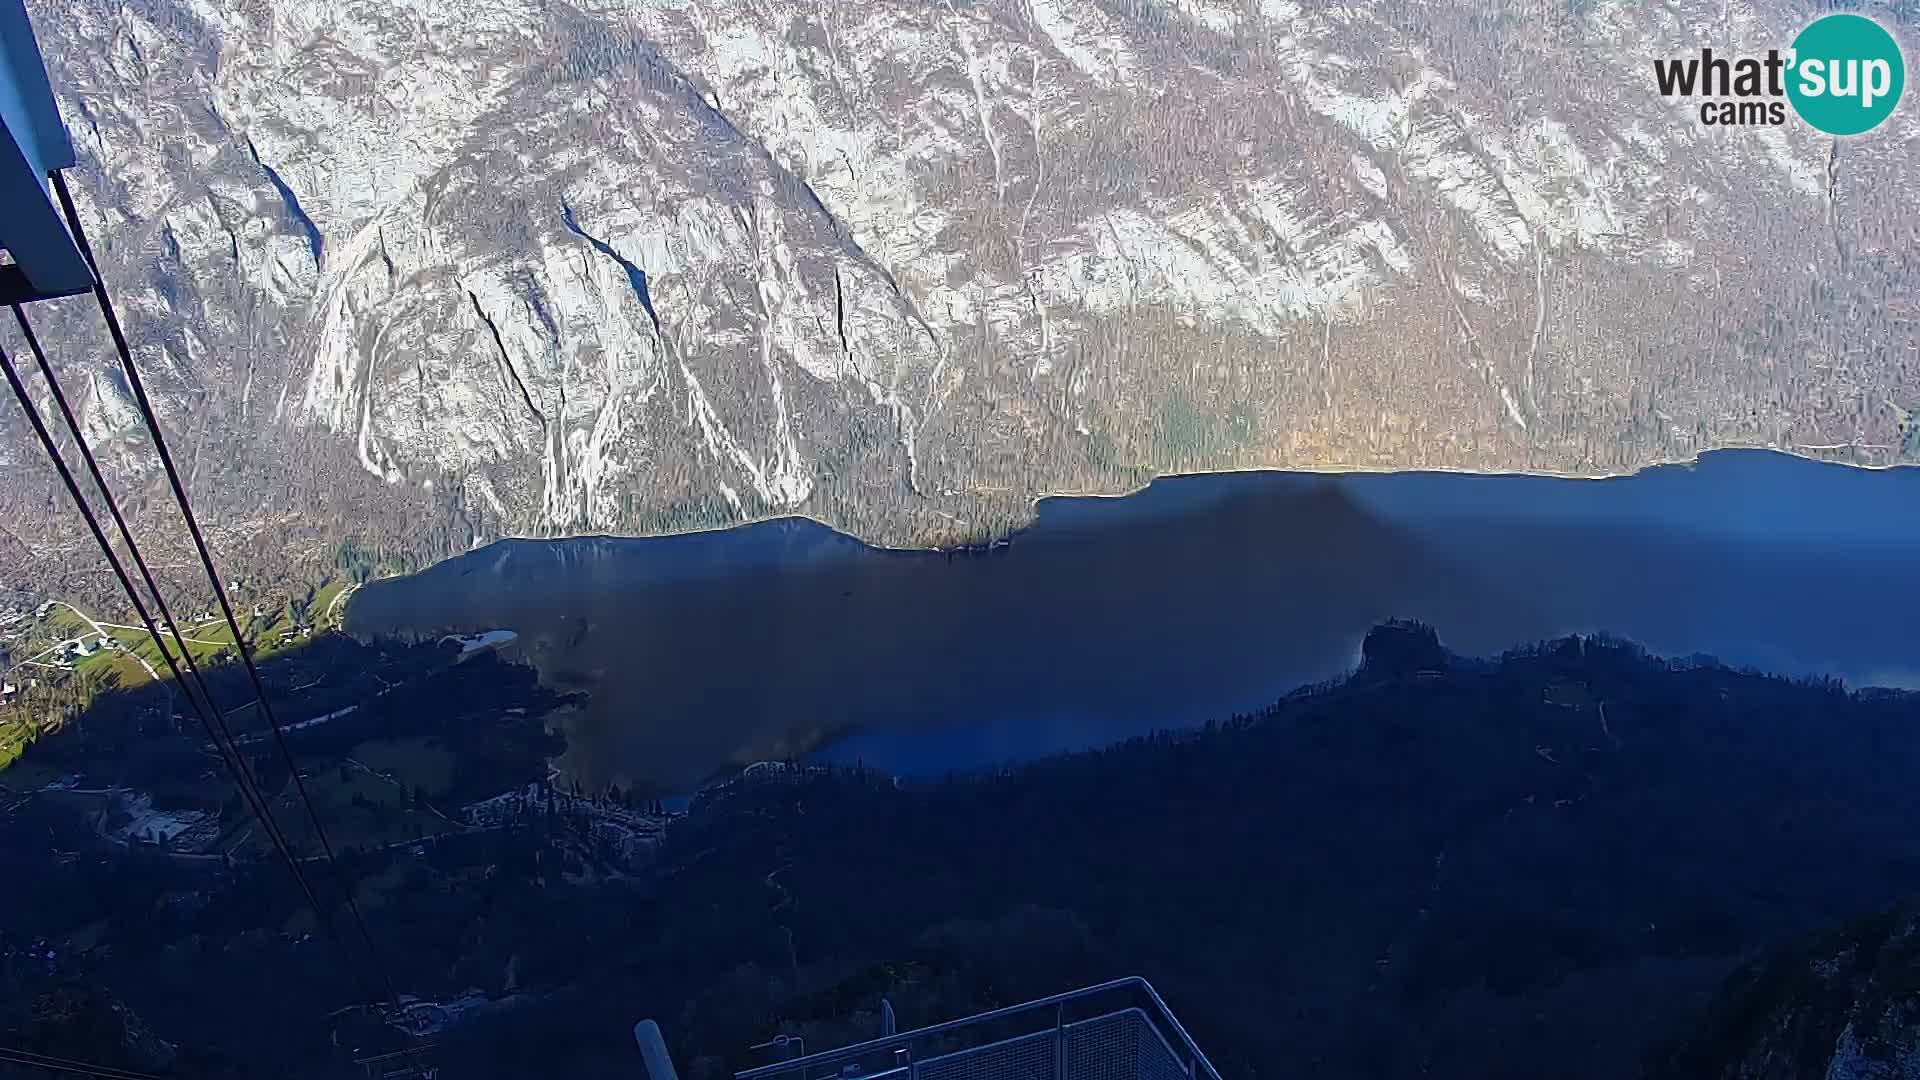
(1194, 599)
(1741, 495)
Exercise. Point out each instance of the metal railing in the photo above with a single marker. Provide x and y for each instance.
(1119, 1030)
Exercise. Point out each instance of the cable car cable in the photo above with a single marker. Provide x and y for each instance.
(213, 574)
(241, 779)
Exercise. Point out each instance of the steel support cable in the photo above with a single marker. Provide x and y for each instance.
(213, 574)
(230, 755)
(223, 740)
(57, 1064)
(211, 718)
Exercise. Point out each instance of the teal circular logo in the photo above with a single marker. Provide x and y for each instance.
(1847, 74)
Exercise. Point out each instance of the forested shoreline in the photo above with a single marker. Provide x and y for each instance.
(1536, 865)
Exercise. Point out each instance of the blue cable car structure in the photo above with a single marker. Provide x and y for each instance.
(46, 259)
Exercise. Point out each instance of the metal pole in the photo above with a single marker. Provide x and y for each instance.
(654, 1058)
(1060, 1041)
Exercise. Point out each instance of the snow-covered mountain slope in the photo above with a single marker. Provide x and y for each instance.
(539, 266)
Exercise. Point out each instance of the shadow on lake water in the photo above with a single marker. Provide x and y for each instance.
(1196, 598)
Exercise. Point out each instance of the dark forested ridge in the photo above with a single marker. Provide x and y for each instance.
(1543, 865)
(1843, 1004)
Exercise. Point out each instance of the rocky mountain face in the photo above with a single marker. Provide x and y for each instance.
(1842, 1006)
(415, 272)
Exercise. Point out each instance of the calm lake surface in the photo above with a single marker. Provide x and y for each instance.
(1196, 598)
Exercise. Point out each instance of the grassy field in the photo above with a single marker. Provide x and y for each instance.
(209, 641)
(371, 800)
(1572, 694)
(419, 762)
(37, 711)
(126, 667)
(123, 668)
(63, 623)
(322, 603)
(373, 891)
(15, 735)
(28, 776)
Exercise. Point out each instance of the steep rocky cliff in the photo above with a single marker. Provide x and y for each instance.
(418, 272)
(1842, 1006)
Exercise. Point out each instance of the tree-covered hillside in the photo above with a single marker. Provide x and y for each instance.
(1543, 865)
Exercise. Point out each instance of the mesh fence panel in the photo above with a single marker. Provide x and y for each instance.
(1101, 1049)
(1121, 1046)
(1127, 1043)
(1029, 1057)
(1153, 1060)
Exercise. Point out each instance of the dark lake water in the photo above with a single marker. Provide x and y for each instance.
(1196, 598)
